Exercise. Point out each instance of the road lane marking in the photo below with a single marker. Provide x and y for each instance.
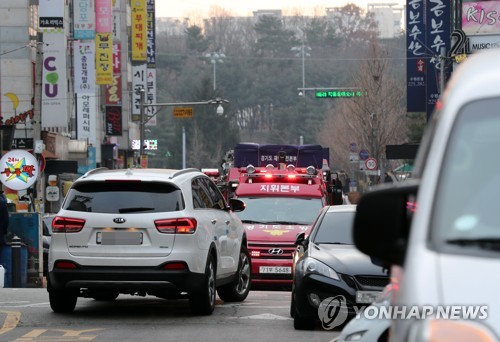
(267, 316)
(11, 321)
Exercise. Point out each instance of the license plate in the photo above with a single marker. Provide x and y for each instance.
(275, 269)
(367, 297)
(119, 238)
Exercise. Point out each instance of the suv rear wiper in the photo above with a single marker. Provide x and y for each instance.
(253, 221)
(492, 243)
(134, 209)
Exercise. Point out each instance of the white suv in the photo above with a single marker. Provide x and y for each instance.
(166, 233)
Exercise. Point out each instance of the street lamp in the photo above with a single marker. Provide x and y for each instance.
(218, 101)
(214, 59)
(302, 51)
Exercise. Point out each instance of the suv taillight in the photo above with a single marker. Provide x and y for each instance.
(67, 224)
(177, 225)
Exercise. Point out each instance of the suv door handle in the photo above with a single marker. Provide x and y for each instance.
(227, 222)
(214, 221)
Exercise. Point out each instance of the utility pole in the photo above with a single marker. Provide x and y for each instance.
(142, 123)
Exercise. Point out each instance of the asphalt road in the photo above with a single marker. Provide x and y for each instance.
(25, 315)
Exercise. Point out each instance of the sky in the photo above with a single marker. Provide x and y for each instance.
(197, 8)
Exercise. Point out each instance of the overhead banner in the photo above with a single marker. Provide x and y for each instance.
(104, 58)
(84, 62)
(139, 31)
(51, 13)
(438, 14)
(54, 81)
(113, 120)
(86, 108)
(416, 62)
(83, 19)
(103, 16)
(139, 74)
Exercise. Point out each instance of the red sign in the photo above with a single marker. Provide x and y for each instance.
(113, 120)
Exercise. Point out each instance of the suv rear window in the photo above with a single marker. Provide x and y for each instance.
(124, 197)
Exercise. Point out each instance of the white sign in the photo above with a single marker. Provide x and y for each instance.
(18, 169)
(139, 75)
(86, 109)
(483, 42)
(52, 193)
(84, 60)
(54, 81)
(83, 19)
(371, 164)
(282, 188)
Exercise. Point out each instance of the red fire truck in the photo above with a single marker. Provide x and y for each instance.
(284, 187)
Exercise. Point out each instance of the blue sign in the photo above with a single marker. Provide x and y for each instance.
(364, 155)
(438, 28)
(416, 56)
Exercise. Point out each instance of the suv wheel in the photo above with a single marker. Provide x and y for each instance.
(62, 300)
(203, 302)
(238, 291)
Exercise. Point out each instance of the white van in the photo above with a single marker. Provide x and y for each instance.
(443, 227)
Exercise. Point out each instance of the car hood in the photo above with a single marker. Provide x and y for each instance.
(460, 274)
(345, 259)
(274, 232)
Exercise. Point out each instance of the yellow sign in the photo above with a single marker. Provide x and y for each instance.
(104, 58)
(139, 30)
(183, 112)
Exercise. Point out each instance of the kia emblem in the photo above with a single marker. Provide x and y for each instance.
(119, 220)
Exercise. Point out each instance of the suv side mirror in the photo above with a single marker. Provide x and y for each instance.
(236, 205)
(382, 222)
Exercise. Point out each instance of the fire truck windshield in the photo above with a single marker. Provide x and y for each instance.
(280, 210)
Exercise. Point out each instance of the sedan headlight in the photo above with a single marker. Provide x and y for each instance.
(444, 330)
(311, 265)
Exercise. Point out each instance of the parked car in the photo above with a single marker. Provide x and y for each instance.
(442, 226)
(327, 264)
(143, 232)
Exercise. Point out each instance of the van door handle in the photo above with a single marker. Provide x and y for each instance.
(227, 222)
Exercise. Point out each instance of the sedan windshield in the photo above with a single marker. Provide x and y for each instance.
(280, 210)
(335, 228)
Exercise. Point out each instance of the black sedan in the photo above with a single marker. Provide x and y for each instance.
(331, 277)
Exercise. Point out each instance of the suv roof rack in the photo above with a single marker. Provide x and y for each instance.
(91, 172)
(183, 171)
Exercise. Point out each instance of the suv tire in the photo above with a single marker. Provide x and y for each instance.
(238, 290)
(203, 302)
(62, 301)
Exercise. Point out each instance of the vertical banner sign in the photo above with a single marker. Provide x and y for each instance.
(151, 96)
(480, 17)
(116, 24)
(415, 56)
(438, 16)
(113, 120)
(151, 38)
(51, 13)
(138, 82)
(139, 25)
(104, 58)
(84, 19)
(86, 117)
(103, 16)
(84, 62)
(151, 64)
(114, 91)
(54, 81)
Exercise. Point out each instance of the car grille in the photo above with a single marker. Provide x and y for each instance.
(372, 281)
(265, 250)
(359, 282)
